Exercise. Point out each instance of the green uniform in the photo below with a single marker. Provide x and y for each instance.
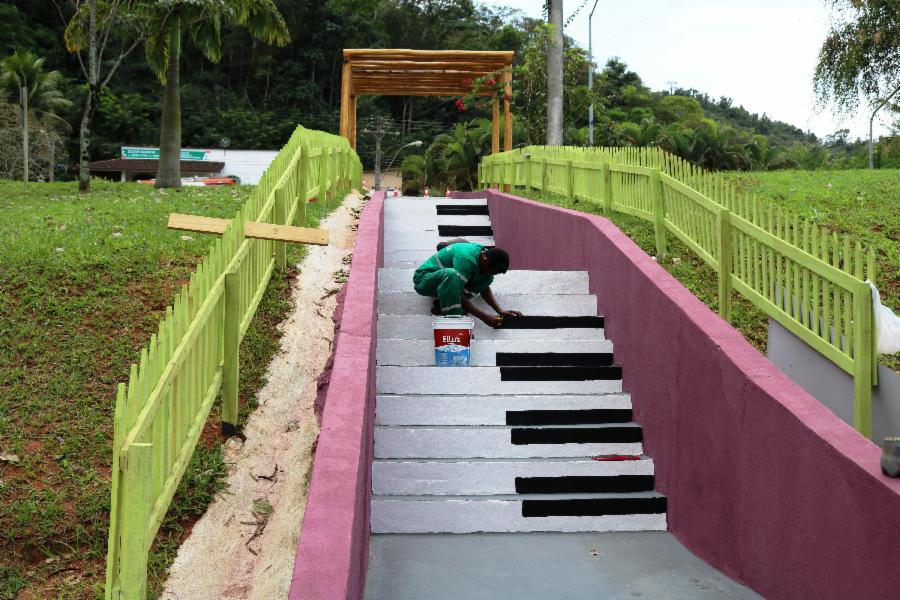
(450, 273)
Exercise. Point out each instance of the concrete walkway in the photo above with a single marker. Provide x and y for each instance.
(463, 456)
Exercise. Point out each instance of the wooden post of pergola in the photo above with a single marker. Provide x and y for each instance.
(425, 73)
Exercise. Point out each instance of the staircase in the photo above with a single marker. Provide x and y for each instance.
(514, 442)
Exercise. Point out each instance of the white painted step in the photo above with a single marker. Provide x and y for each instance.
(409, 221)
(477, 381)
(566, 305)
(482, 410)
(407, 256)
(406, 201)
(513, 282)
(487, 476)
(483, 442)
(421, 327)
(426, 240)
(483, 353)
(471, 514)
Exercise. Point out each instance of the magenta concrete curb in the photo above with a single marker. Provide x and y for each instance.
(764, 482)
(332, 555)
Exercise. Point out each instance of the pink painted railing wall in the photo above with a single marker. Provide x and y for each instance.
(332, 556)
(763, 481)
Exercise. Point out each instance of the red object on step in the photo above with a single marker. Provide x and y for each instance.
(448, 193)
(396, 193)
(610, 457)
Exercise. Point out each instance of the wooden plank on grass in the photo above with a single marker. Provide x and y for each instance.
(252, 229)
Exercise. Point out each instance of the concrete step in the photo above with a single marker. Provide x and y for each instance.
(392, 201)
(511, 476)
(513, 282)
(424, 240)
(408, 353)
(491, 410)
(575, 305)
(431, 220)
(506, 442)
(421, 327)
(477, 381)
(470, 514)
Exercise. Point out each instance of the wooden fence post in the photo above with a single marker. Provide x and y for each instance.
(135, 519)
(607, 188)
(304, 183)
(323, 176)
(231, 362)
(543, 174)
(723, 222)
(570, 187)
(527, 169)
(659, 212)
(863, 357)
(279, 217)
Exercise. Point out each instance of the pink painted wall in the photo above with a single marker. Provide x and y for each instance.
(332, 556)
(763, 481)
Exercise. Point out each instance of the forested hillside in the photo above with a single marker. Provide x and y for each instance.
(256, 94)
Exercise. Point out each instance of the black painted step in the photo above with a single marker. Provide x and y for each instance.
(456, 230)
(594, 507)
(575, 435)
(554, 359)
(607, 373)
(462, 209)
(584, 484)
(591, 416)
(545, 322)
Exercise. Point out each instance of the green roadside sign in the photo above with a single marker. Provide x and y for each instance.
(153, 153)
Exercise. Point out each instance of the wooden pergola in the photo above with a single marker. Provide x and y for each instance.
(390, 72)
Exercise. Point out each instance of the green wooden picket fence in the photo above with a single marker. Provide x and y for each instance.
(161, 412)
(809, 280)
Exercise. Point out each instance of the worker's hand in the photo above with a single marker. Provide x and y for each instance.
(510, 313)
(492, 322)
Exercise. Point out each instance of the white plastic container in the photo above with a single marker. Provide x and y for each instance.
(452, 341)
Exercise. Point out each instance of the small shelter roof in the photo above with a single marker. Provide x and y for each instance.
(400, 72)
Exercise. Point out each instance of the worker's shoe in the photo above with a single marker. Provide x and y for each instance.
(443, 245)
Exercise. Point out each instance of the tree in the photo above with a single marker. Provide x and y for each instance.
(555, 75)
(860, 57)
(169, 22)
(23, 76)
(95, 27)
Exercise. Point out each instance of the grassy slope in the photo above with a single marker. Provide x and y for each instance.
(83, 283)
(858, 202)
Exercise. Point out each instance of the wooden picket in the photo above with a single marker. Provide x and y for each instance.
(162, 410)
(810, 281)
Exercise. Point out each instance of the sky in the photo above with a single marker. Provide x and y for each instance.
(760, 53)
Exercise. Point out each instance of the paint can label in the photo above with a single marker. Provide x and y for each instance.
(452, 341)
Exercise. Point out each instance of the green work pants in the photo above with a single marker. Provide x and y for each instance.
(446, 285)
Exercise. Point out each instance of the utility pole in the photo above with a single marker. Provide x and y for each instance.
(591, 77)
(377, 128)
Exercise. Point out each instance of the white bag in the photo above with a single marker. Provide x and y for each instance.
(887, 325)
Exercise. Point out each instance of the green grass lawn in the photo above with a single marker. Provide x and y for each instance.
(863, 203)
(84, 280)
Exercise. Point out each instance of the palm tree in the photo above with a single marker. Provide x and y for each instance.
(23, 76)
(168, 22)
(645, 134)
(555, 74)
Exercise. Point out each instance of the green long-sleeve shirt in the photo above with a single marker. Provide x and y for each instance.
(463, 258)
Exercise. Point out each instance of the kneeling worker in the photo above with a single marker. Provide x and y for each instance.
(458, 272)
